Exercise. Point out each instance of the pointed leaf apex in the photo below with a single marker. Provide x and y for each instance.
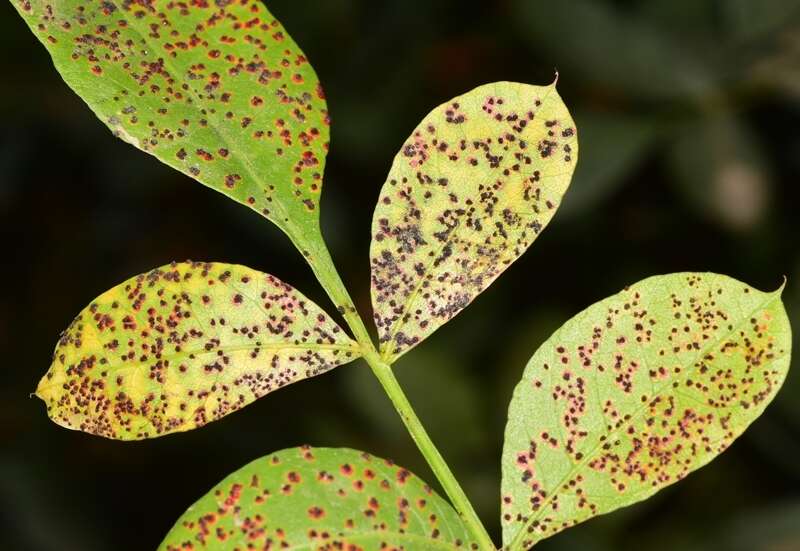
(783, 285)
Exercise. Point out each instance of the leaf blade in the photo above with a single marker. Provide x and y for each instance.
(309, 498)
(593, 427)
(183, 345)
(477, 181)
(217, 90)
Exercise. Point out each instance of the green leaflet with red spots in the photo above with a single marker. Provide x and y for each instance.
(633, 394)
(216, 89)
(474, 185)
(183, 345)
(319, 498)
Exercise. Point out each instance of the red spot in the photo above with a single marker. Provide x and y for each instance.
(205, 155)
(402, 476)
(231, 179)
(316, 513)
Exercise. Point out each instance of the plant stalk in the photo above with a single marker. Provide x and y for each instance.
(322, 265)
(426, 446)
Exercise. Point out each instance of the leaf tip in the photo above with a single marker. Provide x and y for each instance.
(43, 388)
(783, 285)
(779, 291)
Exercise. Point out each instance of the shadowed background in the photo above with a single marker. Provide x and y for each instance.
(688, 117)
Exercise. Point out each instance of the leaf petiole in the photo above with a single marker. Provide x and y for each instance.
(322, 264)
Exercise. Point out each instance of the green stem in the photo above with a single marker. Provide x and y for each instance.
(322, 265)
(426, 446)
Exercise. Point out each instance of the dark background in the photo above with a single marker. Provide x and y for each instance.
(688, 115)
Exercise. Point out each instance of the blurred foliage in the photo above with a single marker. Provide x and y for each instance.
(687, 114)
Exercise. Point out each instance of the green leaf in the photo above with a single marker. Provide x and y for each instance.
(469, 191)
(217, 90)
(325, 498)
(183, 345)
(633, 394)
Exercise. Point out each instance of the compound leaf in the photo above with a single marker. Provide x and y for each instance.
(633, 394)
(469, 191)
(325, 498)
(217, 90)
(183, 345)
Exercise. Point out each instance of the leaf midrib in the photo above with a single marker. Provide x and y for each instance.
(203, 352)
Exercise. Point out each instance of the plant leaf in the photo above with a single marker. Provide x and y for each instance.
(217, 90)
(183, 345)
(324, 498)
(633, 394)
(473, 186)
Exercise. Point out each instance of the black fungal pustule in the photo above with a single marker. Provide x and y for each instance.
(469, 191)
(183, 345)
(635, 393)
(320, 498)
(217, 90)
